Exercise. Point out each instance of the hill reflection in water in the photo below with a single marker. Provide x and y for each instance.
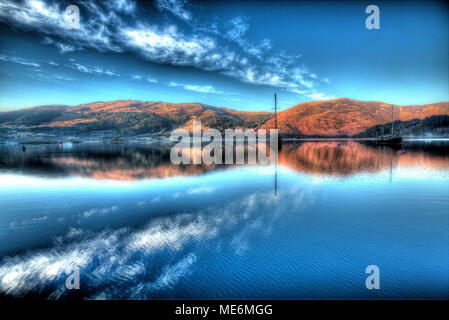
(139, 161)
(139, 227)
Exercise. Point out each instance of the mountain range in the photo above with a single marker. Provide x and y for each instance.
(338, 117)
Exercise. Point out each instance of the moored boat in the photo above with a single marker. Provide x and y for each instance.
(391, 138)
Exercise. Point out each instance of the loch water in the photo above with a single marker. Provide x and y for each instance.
(139, 227)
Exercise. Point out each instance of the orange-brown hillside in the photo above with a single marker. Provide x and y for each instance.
(339, 117)
(347, 116)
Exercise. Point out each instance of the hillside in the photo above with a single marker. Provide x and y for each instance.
(128, 117)
(347, 117)
(431, 126)
(339, 117)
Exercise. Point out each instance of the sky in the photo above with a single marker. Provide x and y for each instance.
(233, 54)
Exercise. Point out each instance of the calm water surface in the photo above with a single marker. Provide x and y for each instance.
(139, 227)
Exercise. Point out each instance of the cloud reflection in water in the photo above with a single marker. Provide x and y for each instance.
(145, 259)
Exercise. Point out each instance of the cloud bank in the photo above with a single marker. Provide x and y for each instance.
(203, 45)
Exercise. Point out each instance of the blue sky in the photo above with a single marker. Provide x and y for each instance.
(232, 54)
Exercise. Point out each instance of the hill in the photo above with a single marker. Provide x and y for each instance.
(339, 117)
(128, 117)
(347, 117)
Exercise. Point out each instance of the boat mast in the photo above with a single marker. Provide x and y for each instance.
(392, 121)
(382, 122)
(275, 113)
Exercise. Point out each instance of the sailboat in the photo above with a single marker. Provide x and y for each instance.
(391, 138)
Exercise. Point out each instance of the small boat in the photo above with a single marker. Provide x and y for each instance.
(391, 138)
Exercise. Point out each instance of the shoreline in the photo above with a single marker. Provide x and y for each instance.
(161, 139)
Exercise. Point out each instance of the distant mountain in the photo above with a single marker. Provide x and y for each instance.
(347, 117)
(339, 117)
(128, 116)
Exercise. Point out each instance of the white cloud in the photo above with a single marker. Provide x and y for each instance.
(26, 62)
(150, 80)
(239, 27)
(170, 46)
(93, 70)
(197, 88)
(176, 7)
(34, 15)
(104, 28)
(63, 78)
(144, 78)
(320, 96)
(260, 49)
(62, 47)
(122, 5)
